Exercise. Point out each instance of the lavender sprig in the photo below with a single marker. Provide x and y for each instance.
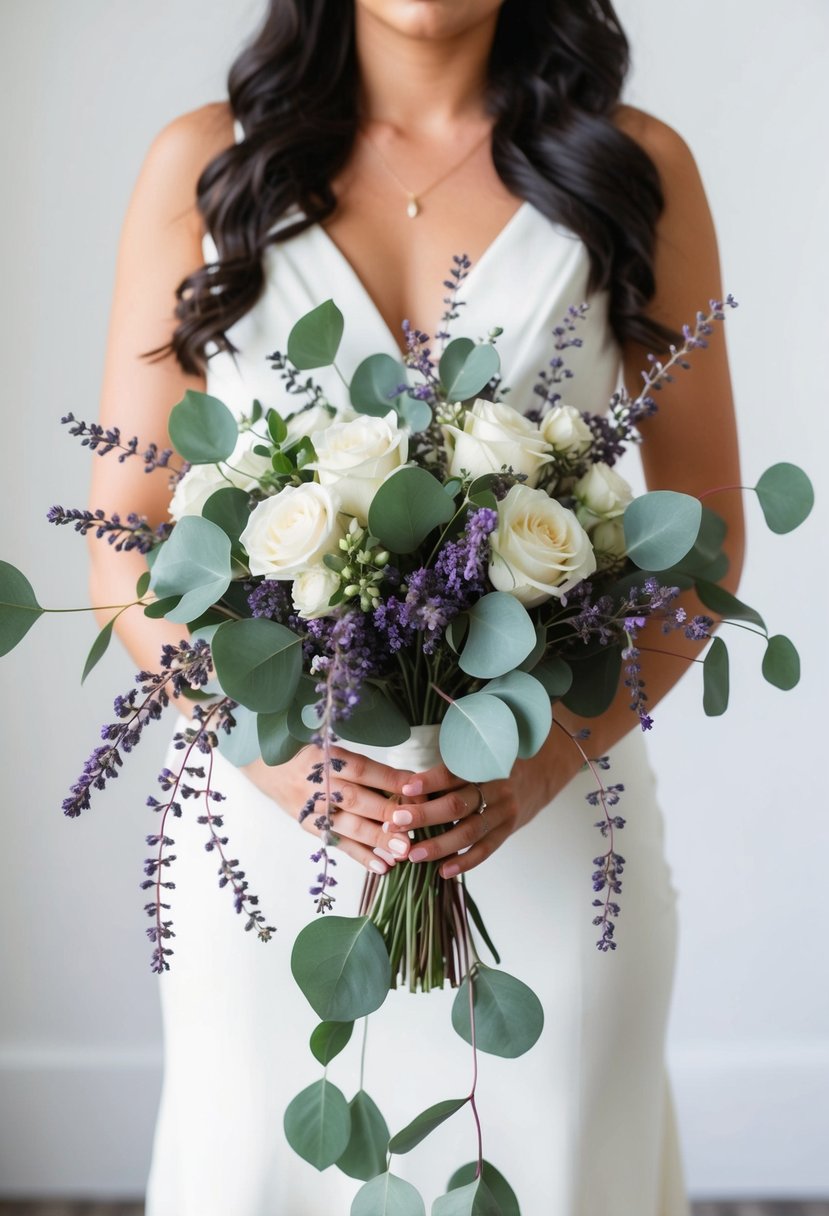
(97, 439)
(133, 533)
(457, 274)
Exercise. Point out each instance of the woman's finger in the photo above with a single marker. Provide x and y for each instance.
(430, 781)
(456, 804)
(360, 770)
(361, 853)
(466, 832)
(477, 853)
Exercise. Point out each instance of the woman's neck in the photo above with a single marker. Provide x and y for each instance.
(421, 84)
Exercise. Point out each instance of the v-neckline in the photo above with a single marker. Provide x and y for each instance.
(492, 248)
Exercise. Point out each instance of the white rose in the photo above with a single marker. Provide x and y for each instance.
(608, 540)
(311, 591)
(317, 418)
(601, 494)
(566, 431)
(495, 435)
(291, 531)
(357, 456)
(242, 470)
(539, 548)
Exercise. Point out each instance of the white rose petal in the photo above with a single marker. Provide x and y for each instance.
(242, 470)
(601, 494)
(495, 435)
(291, 531)
(609, 537)
(357, 456)
(539, 548)
(317, 418)
(566, 431)
(311, 591)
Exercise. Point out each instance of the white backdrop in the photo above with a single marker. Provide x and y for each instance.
(89, 84)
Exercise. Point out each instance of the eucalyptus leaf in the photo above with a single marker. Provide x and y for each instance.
(342, 966)
(159, 608)
(375, 385)
(500, 1189)
(661, 528)
(375, 720)
(142, 585)
(258, 663)
(530, 705)
(424, 1124)
(305, 694)
(781, 662)
(19, 608)
(277, 428)
(474, 1199)
(98, 648)
(193, 564)
(317, 1124)
(417, 415)
(707, 546)
(276, 743)
(479, 738)
(407, 507)
(466, 368)
(715, 679)
(537, 652)
(555, 675)
(228, 509)
(241, 745)
(202, 429)
(501, 635)
(595, 682)
(786, 496)
(315, 338)
(508, 1015)
(721, 601)
(328, 1040)
(365, 1153)
(387, 1195)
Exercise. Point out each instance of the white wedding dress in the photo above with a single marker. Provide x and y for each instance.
(583, 1124)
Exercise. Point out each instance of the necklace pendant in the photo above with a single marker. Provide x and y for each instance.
(412, 207)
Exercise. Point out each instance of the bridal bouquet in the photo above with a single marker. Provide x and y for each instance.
(429, 559)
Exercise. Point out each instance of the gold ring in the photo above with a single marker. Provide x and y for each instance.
(482, 805)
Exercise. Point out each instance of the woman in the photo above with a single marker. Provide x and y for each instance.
(406, 131)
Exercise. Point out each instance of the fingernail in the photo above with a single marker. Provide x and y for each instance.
(402, 818)
(386, 827)
(377, 865)
(398, 846)
(412, 788)
(389, 857)
(418, 854)
(451, 871)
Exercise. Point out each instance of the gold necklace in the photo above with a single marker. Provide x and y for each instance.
(414, 205)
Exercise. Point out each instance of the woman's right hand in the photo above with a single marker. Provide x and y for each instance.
(366, 787)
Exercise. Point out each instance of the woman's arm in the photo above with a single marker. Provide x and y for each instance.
(690, 444)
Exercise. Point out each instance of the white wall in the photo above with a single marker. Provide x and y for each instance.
(91, 83)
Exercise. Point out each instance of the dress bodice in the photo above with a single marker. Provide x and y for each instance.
(525, 281)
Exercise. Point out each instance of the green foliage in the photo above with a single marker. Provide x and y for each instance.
(375, 720)
(19, 608)
(305, 694)
(781, 662)
(474, 1199)
(501, 635)
(276, 743)
(99, 647)
(786, 496)
(508, 1015)
(315, 339)
(661, 528)
(721, 601)
(715, 684)
(328, 1040)
(530, 705)
(342, 966)
(387, 1195)
(193, 564)
(202, 429)
(258, 663)
(595, 681)
(424, 1124)
(228, 509)
(365, 1153)
(317, 1124)
(241, 746)
(406, 507)
(375, 384)
(555, 675)
(466, 368)
(500, 1189)
(479, 738)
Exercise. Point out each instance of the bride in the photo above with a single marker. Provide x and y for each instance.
(364, 144)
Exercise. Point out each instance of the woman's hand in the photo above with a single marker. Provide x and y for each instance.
(365, 788)
(509, 805)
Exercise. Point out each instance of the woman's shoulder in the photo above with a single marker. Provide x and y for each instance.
(665, 146)
(182, 149)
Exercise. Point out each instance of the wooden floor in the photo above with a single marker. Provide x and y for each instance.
(55, 1207)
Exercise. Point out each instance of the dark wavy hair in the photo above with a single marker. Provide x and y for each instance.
(554, 79)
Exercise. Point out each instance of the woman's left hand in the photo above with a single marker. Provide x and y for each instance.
(508, 805)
